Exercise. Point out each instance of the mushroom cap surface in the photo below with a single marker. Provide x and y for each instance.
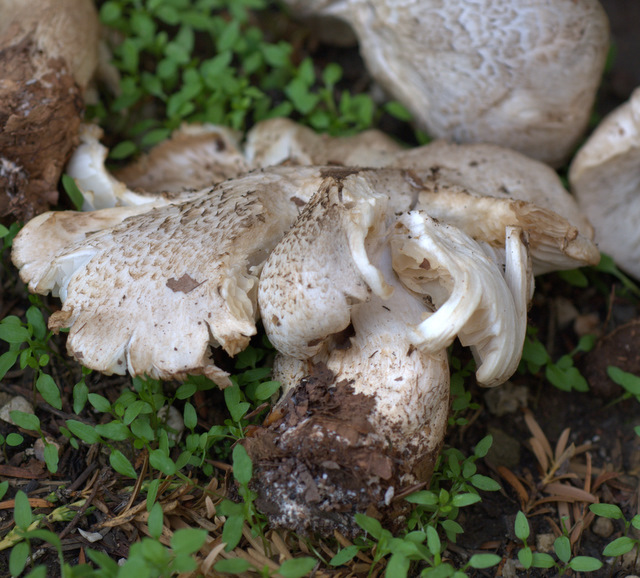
(494, 171)
(152, 293)
(605, 179)
(485, 71)
(280, 140)
(196, 156)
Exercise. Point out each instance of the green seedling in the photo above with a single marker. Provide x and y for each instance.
(625, 543)
(564, 563)
(562, 373)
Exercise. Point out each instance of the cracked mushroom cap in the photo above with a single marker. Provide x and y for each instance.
(152, 293)
(321, 271)
(605, 178)
(485, 71)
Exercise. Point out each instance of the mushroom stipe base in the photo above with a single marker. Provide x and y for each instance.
(319, 461)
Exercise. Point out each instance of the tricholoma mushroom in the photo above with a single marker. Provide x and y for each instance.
(362, 278)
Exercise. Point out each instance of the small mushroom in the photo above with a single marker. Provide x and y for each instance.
(48, 52)
(605, 179)
(489, 71)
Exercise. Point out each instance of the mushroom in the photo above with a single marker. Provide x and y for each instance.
(605, 179)
(484, 71)
(48, 52)
(196, 156)
(362, 278)
(362, 304)
(279, 140)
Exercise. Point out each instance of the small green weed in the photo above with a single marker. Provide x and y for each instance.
(629, 382)
(148, 557)
(461, 401)
(207, 61)
(563, 374)
(625, 543)
(562, 548)
(455, 484)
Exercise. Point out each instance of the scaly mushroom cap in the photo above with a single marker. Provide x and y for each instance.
(605, 178)
(280, 140)
(485, 71)
(196, 156)
(151, 294)
(48, 52)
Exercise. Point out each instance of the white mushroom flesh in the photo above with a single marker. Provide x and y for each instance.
(605, 178)
(472, 298)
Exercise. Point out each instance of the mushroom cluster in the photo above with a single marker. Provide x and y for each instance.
(362, 278)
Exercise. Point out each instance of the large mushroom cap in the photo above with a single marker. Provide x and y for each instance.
(152, 292)
(494, 171)
(488, 71)
(605, 178)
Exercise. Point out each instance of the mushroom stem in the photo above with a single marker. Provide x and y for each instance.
(358, 424)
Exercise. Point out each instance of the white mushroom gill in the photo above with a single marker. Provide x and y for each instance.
(472, 298)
